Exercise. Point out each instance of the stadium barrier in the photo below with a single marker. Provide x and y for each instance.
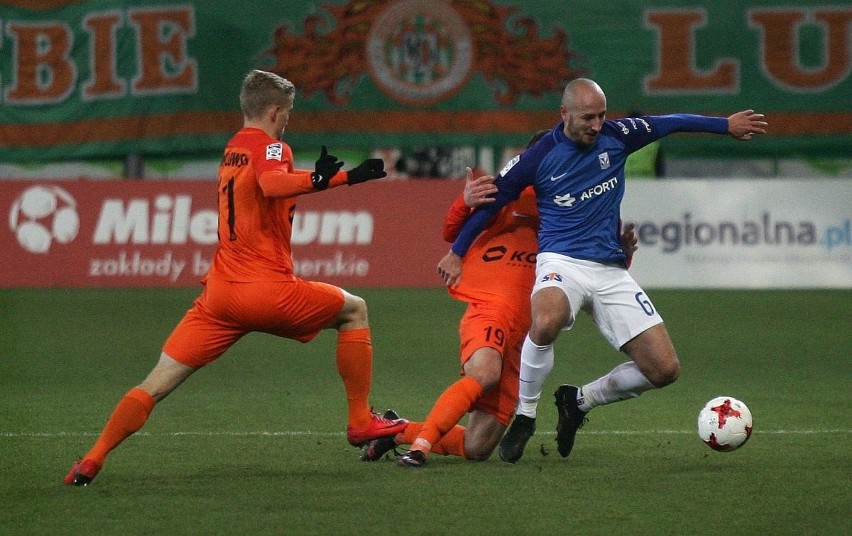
(692, 233)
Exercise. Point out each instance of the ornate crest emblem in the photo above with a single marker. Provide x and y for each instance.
(422, 53)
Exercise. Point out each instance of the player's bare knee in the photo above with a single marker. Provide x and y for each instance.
(478, 456)
(354, 313)
(544, 336)
(359, 313)
(544, 329)
(666, 373)
(485, 366)
(551, 311)
(477, 453)
(672, 372)
(486, 379)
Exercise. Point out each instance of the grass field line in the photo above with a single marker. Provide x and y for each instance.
(299, 433)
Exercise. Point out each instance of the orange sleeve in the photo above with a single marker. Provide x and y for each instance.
(277, 177)
(279, 182)
(455, 218)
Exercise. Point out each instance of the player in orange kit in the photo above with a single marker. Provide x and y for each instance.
(497, 283)
(251, 285)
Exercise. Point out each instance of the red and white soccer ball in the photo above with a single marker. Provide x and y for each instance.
(42, 216)
(724, 424)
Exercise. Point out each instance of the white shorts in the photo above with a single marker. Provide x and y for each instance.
(616, 303)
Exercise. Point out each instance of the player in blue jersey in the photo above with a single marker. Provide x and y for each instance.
(578, 175)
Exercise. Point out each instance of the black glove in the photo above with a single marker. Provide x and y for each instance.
(372, 168)
(327, 165)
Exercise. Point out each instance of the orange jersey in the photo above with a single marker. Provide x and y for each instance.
(500, 265)
(498, 273)
(257, 194)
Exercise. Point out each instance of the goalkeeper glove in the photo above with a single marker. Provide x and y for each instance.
(372, 168)
(326, 167)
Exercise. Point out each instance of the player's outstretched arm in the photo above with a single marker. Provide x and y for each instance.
(478, 190)
(372, 168)
(743, 125)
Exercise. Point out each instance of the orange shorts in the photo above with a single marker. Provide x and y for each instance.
(226, 311)
(495, 326)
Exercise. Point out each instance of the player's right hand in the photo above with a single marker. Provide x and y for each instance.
(326, 167)
(478, 191)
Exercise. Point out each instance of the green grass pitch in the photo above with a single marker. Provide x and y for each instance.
(254, 444)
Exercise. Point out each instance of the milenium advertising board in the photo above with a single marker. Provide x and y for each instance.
(120, 233)
(101, 78)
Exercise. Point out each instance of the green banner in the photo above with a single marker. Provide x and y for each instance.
(100, 79)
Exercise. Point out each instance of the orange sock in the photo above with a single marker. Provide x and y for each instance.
(452, 443)
(129, 416)
(355, 365)
(448, 410)
(407, 436)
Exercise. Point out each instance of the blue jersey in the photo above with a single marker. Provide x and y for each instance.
(579, 188)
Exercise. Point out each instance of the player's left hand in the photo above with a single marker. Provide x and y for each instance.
(629, 242)
(450, 269)
(744, 125)
(372, 168)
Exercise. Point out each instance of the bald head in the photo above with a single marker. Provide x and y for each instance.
(582, 92)
(583, 110)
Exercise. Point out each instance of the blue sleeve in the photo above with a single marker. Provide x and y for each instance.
(513, 178)
(666, 124)
(637, 132)
(472, 227)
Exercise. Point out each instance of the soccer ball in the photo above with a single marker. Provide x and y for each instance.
(43, 215)
(724, 424)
